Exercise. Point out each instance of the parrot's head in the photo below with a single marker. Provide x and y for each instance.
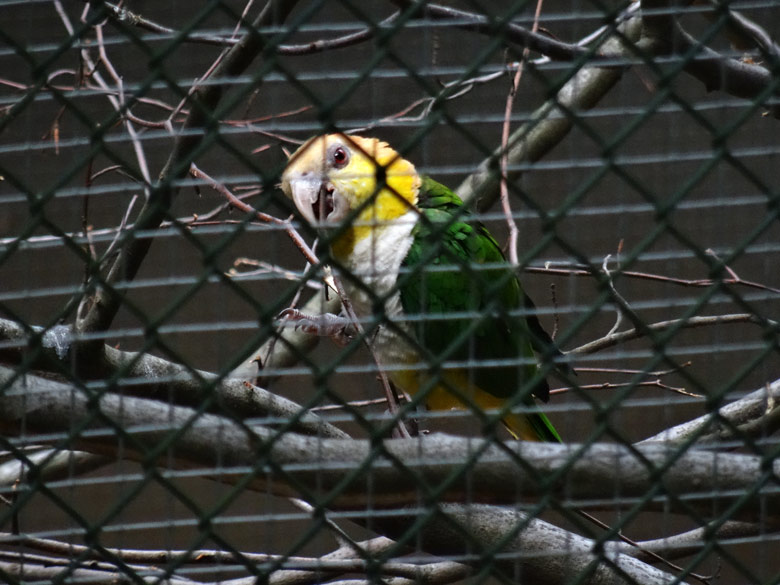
(331, 176)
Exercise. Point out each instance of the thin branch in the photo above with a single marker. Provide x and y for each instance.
(286, 224)
(690, 542)
(614, 386)
(193, 220)
(123, 15)
(514, 232)
(579, 270)
(617, 338)
(121, 104)
(107, 301)
(260, 267)
(513, 33)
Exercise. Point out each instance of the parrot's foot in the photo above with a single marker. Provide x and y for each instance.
(339, 328)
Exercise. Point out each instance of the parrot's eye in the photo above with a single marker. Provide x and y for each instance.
(340, 157)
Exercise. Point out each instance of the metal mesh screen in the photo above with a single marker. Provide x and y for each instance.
(167, 413)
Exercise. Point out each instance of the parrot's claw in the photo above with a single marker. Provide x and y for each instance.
(340, 329)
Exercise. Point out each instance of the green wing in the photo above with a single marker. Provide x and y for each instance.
(454, 271)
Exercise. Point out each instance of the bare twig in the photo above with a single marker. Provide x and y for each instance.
(514, 233)
(106, 301)
(285, 224)
(690, 542)
(615, 385)
(258, 267)
(617, 338)
(579, 270)
(124, 15)
(120, 105)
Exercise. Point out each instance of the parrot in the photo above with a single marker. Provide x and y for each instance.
(454, 322)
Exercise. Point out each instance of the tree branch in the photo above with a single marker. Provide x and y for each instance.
(146, 375)
(318, 467)
(514, 33)
(105, 301)
(403, 471)
(664, 36)
(687, 543)
(613, 339)
(550, 123)
(756, 415)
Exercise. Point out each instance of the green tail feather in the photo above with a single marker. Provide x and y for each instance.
(534, 426)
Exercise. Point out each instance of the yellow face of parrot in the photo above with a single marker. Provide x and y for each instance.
(330, 176)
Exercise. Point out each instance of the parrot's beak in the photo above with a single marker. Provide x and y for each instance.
(316, 199)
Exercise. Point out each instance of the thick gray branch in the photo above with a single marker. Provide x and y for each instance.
(50, 465)
(544, 553)
(277, 463)
(148, 376)
(398, 472)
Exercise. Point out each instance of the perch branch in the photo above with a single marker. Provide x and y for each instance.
(688, 543)
(705, 480)
(146, 375)
(542, 549)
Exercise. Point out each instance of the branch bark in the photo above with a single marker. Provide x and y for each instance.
(145, 375)
(756, 415)
(351, 474)
(319, 469)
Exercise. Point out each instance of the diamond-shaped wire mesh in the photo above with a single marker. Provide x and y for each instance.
(172, 408)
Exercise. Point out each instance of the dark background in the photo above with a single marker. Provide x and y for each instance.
(715, 157)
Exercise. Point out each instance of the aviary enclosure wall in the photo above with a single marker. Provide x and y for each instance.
(160, 423)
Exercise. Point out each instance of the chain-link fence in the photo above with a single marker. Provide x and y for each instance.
(167, 413)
